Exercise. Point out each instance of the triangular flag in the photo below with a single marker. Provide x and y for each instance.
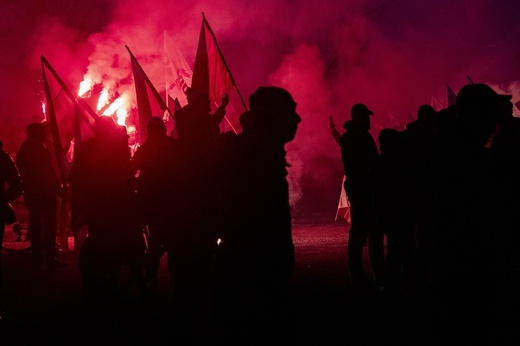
(436, 104)
(70, 121)
(178, 73)
(210, 72)
(451, 97)
(410, 117)
(149, 102)
(393, 120)
(69, 118)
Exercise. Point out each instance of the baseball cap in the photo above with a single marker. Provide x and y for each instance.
(360, 109)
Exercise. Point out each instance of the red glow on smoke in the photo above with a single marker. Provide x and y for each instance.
(391, 55)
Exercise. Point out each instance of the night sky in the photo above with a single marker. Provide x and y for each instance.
(392, 55)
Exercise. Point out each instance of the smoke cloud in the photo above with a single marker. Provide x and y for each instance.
(391, 55)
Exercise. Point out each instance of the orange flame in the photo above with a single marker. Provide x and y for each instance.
(103, 99)
(44, 110)
(120, 108)
(84, 87)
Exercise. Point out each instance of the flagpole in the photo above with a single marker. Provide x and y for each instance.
(58, 149)
(446, 100)
(165, 76)
(80, 101)
(223, 60)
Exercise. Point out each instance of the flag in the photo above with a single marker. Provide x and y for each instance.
(451, 97)
(393, 120)
(69, 118)
(436, 104)
(410, 117)
(210, 72)
(343, 204)
(70, 121)
(149, 102)
(84, 123)
(178, 73)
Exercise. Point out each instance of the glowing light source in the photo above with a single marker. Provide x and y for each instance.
(103, 99)
(121, 114)
(120, 108)
(84, 87)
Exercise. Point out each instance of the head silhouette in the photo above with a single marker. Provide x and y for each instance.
(273, 111)
(478, 108)
(104, 127)
(36, 131)
(196, 96)
(426, 113)
(155, 127)
(245, 120)
(360, 114)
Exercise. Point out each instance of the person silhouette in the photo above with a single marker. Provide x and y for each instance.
(358, 154)
(12, 188)
(102, 192)
(41, 190)
(392, 205)
(505, 150)
(188, 174)
(466, 269)
(255, 258)
(196, 125)
(419, 137)
(151, 200)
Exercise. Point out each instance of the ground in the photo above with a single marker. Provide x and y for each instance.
(49, 306)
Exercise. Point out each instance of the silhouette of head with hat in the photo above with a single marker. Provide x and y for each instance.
(360, 115)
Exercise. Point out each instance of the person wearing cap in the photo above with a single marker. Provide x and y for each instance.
(359, 153)
(255, 258)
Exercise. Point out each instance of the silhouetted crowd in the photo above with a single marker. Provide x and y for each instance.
(444, 193)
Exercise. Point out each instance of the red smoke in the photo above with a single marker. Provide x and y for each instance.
(391, 55)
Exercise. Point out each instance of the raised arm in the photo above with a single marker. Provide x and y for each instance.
(333, 131)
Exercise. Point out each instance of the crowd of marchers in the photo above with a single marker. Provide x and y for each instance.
(443, 192)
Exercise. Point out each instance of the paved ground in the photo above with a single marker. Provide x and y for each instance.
(49, 307)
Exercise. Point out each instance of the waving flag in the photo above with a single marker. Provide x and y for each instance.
(69, 118)
(70, 121)
(210, 72)
(178, 73)
(149, 102)
(436, 104)
(451, 97)
(343, 204)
